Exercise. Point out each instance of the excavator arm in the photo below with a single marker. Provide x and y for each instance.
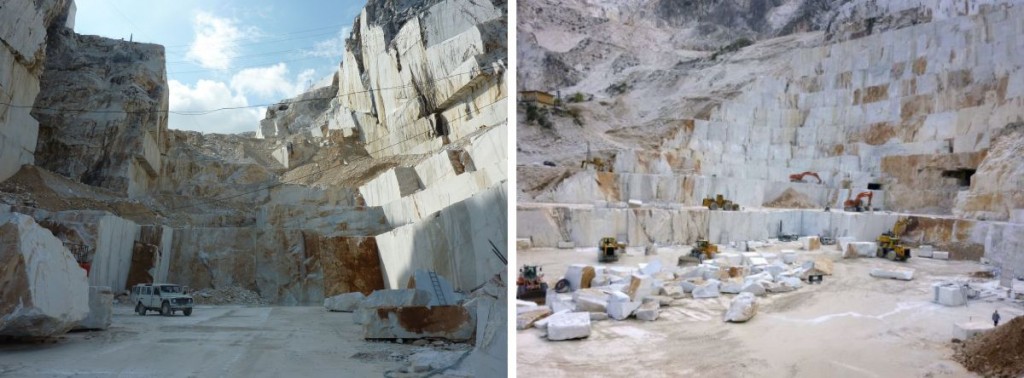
(798, 177)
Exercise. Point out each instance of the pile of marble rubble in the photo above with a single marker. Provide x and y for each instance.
(619, 293)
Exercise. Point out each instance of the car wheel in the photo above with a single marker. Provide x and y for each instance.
(165, 309)
(187, 312)
(140, 309)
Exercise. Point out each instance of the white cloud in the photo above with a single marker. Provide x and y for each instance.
(207, 95)
(331, 48)
(271, 81)
(214, 43)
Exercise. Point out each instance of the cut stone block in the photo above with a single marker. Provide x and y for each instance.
(44, 293)
(895, 273)
(811, 243)
(574, 325)
(396, 298)
(566, 245)
(672, 291)
(543, 323)
(844, 241)
(101, 308)
(590, 300)
(528, 318)
(924, 251)
(952, 295)
(524, 306)
(967, 330)
(742, 308)
(620, 306)
(754, 288)
(640, 286)
(596, 316)
(559, 302)
(648, 311)
(587, 278)
(574, 274)
(347, 302)
(523, 244)
(635, 203)
(789, 281)
(651, 268)
(940, 255)
(861, 249)
(453, 323)
(442, 293)
(707, 290)
(732, 286)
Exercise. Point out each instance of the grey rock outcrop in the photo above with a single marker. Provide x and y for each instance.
(102, 111)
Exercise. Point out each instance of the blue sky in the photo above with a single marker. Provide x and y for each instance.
(229, 53)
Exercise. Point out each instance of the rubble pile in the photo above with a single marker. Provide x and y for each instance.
(996, 353)
(621, 293)
(232, 295)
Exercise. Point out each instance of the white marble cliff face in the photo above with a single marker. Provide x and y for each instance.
(45, 291)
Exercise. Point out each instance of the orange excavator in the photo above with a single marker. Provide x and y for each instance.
(799, 177)
(857, 204)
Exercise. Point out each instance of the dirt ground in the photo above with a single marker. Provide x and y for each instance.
(234, 341)
(851, 325)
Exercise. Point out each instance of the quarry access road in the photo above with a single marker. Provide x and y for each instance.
(216, 341)
(851, 325)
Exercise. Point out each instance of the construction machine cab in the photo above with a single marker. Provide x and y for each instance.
(889, 244)
(609, 250)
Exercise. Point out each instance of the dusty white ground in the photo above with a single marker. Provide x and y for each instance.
(852, 325)
(233, 341)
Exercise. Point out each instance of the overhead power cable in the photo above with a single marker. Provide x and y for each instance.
(209, 111)
(327, 168)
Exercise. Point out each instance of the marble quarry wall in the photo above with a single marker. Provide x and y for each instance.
(438, 73)
(23, 35)
(877, 109)
(101, 111)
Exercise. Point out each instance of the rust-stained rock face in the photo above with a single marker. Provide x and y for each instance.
(927, 183)
(349, 264)
(997, 188)
(416, 322)
(144, 260)
(946, 234)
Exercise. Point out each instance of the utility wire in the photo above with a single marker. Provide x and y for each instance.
(205, 112)
(319, 171)
(324, 170)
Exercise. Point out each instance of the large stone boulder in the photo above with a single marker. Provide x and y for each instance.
(44, 291)
(101, 309)
(742, 308)
(573, 325)
(347, 302)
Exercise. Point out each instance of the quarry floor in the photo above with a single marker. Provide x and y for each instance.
(851, 325)
(216, 341)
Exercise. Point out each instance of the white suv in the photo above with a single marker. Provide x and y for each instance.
(165, 298)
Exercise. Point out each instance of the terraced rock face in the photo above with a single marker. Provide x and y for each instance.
(907, 100)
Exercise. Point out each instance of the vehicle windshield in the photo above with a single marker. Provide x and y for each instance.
(171, 289)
